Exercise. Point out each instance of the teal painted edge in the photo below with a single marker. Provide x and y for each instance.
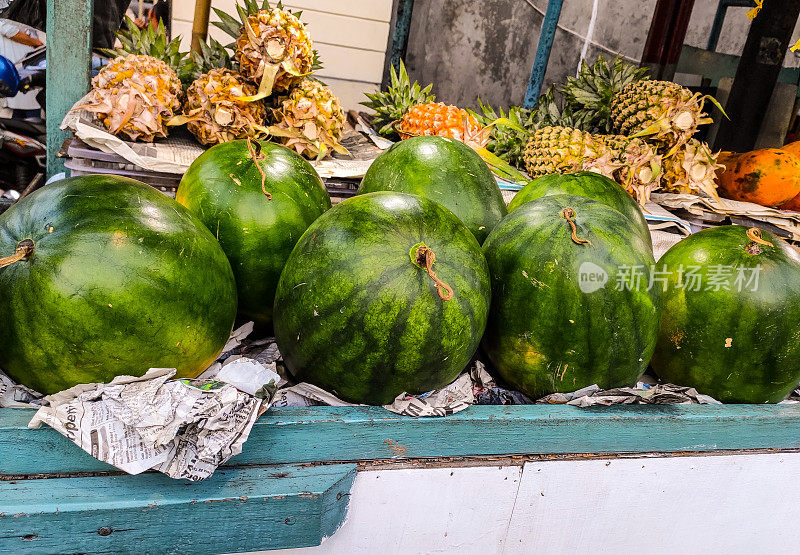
(69, 39)
(333, 434)
(246, 509)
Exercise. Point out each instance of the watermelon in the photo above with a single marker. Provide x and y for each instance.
(731, 324)
(585, 184)
(256, 226)
(384, 293)
(444, 170)
(567, 308)
(117, 278)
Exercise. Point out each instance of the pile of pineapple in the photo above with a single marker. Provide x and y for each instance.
(262, 90)
(612, 120)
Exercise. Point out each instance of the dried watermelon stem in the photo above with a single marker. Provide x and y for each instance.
(24, 249)
(754, 234)
(424, 257)
(254, 149)
(568, 214)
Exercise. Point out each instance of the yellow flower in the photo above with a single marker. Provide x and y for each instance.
(754, 12)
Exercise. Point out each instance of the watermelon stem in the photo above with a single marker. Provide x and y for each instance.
(254, 149)
(757, 239)
(25, 248)
(568, 214)
(424, 257)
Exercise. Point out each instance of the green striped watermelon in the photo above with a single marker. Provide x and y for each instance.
(256, 223)
(585, 184)
(731, 325)
(567, 310)
(444, 170)
(120, 279)
(384, 293)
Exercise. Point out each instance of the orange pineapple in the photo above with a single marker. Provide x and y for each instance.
(408, 110)
(437, 118)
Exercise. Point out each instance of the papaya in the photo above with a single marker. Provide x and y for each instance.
(770, 176)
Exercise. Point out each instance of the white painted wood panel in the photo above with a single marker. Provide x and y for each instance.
(438, 510)
(335, 29)
(712, 504)
(702, 504)
(377, 10)
(350, 93)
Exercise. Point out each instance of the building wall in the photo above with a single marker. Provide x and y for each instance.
(486, 49)
(351, 37)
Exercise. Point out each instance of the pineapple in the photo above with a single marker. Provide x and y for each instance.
(641, 168)
(215, 111)
(693, 170)
(663, 112)
(629, 161)
(152, 41)
(436, 118)
(566, 149)
(392, 105)
(273, 47)
(310, 120)
(590, 95)
(408, 110)
(135, 96)
(508, 142)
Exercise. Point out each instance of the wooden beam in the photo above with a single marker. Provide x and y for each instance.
(202, 13)
(69, 42)
(762, 59)
(665, 39)
(248, 509)
(335, 434)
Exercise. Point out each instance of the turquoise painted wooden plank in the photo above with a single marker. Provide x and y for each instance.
(294, 435)
(69, 40)
(235, 510)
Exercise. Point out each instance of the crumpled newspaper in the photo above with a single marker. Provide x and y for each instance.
(16, 396)
(642, 394)
(450, 399)
(183, 428)
(749, 213)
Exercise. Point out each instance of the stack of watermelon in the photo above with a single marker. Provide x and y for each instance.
(393, 290)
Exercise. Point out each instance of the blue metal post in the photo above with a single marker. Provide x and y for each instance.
(69, 42)
(546, 37)
(401, 29)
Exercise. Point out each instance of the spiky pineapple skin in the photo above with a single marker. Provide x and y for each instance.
(214, 113)
(692, 170)
(630, 162)
(441, 120)
(555, 149)
(310, 120)
(666, 112)
(135, 96)
(277, 39)
(640, 167)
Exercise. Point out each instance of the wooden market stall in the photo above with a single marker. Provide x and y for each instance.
(490, 479)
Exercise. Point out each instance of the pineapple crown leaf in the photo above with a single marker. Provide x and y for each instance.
(392, 104)
(226, 23)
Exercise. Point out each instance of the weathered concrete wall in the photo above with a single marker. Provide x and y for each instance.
(471, 48)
